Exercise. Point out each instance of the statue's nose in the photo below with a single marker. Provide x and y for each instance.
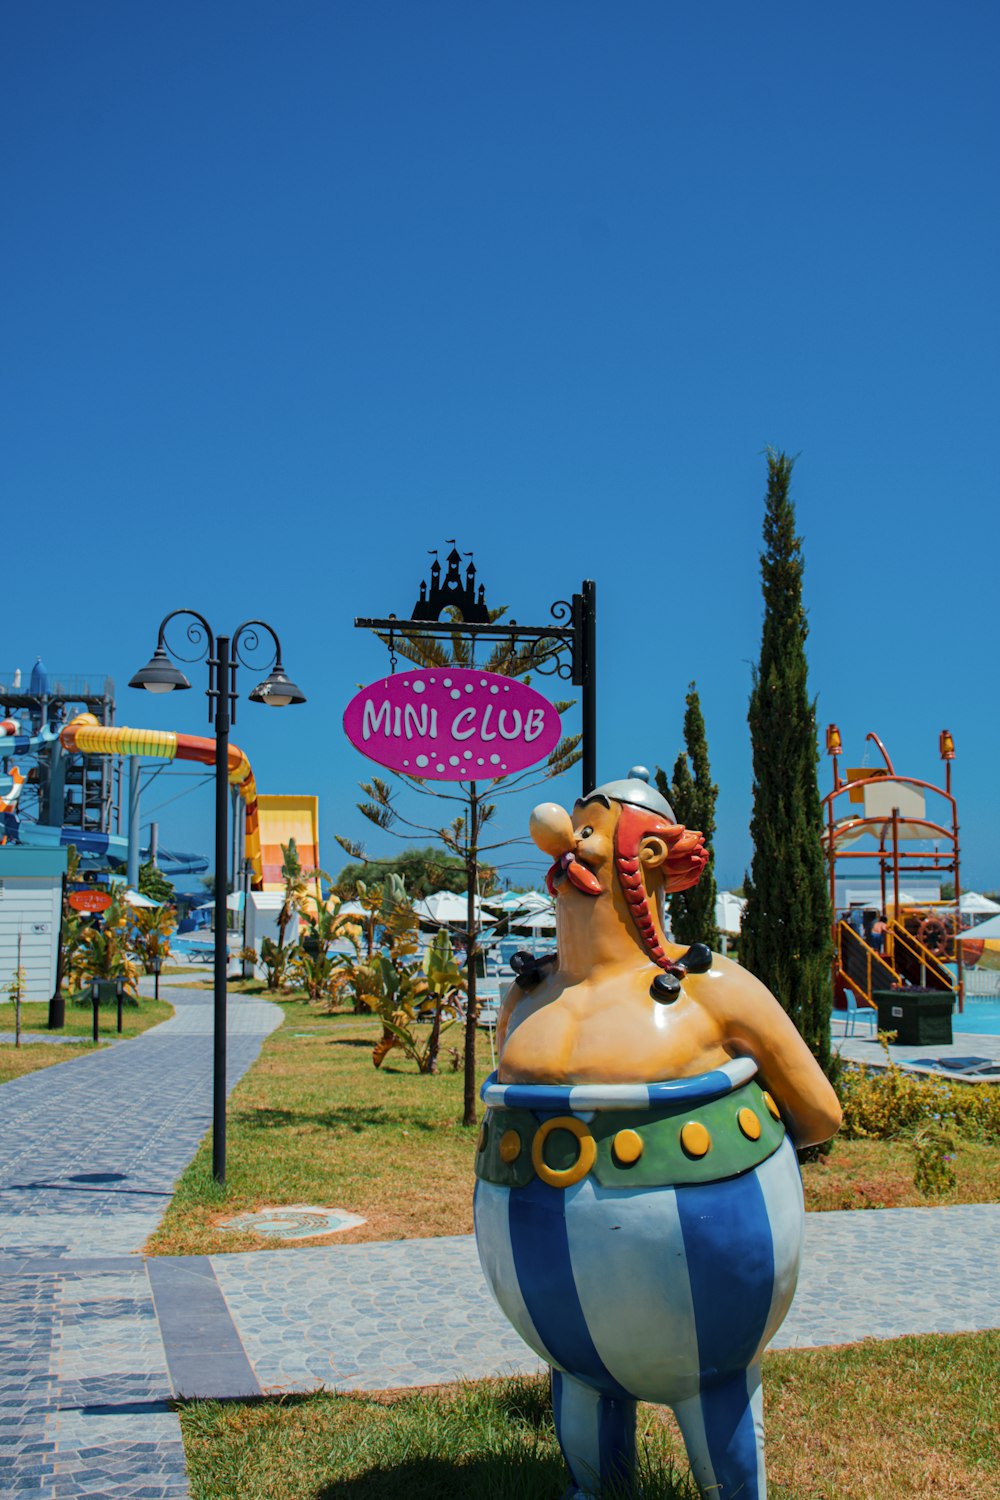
(552, 829)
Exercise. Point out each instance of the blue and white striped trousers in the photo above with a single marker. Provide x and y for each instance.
(665, 1294)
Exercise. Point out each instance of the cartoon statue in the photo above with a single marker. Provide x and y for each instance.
(638, 1206)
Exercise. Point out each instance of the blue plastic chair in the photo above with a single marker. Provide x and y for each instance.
(856, 1012)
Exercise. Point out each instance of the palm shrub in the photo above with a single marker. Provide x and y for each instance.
(406, 996)
(371, 896)
(296, 891)
(297, 901)
(275, 958)
(73, 924)
(153, 883)
(104, 953)
(318, 971)
(388, 920)
(152, 928)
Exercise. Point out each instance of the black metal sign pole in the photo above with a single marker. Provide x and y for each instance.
(588, 681)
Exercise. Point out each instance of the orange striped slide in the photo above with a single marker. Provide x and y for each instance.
(86, 735)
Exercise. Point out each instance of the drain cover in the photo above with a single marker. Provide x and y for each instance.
(292, 1221)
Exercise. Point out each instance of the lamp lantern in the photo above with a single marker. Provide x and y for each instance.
(159, 675)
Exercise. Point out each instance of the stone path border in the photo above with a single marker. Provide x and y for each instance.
(47, 1038)
(205, 1356)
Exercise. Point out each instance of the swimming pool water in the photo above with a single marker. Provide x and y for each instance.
(982, 1016)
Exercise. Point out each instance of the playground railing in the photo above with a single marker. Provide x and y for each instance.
(916, 963)
(982, 984)
(862, 968)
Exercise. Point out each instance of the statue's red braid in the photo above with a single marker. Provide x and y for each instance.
(686, 859)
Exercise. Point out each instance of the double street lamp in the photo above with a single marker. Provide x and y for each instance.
(159, 675)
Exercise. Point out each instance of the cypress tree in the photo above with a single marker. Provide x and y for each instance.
(692, 795)
(785, 936)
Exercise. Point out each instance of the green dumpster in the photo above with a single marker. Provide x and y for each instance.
(920, 1018)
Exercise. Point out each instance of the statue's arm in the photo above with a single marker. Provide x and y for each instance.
(754, 1024)
(511, 1000)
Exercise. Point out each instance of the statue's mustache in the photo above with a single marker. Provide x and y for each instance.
(578, 874)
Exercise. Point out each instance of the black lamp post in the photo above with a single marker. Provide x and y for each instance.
(95, 1000)
(222, 653)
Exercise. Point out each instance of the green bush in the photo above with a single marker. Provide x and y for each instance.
(883, 1104)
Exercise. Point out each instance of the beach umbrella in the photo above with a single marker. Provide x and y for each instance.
(990, 929)
(234, 902)
(972, 903)
(519, 901)
(135, 898)
(445, 908)
(542, 921)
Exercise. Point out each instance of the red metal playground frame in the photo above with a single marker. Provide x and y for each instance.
(893, 859)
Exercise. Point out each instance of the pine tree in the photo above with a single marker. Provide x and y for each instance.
(692, 795)
(785, 938)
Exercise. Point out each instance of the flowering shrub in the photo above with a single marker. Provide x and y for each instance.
(885, 1103)
(934, 1149)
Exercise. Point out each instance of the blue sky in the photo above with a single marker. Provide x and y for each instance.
(295, 291)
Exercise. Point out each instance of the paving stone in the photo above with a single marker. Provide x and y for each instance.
(418, 1312)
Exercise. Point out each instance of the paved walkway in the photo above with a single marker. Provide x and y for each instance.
(417, 1312)
(95, 1341)
(89, 1154)
(863, 1047)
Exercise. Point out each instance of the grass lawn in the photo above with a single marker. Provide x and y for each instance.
(879, 1174)
(910, 1419)
(314, 1122)
(14, 1061)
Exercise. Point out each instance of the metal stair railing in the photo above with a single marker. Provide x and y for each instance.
(860, 966)
(915, 962)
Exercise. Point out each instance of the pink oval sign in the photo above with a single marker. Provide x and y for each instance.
(452, 724)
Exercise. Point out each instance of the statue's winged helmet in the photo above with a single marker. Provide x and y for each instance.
(645, 813)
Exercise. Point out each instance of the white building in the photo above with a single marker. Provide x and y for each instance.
(262, 919)
(31, 887)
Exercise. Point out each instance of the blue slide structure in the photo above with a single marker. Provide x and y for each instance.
(90, 843)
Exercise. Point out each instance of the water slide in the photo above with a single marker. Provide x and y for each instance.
(86, 735)
(42, 835)
(283, 818)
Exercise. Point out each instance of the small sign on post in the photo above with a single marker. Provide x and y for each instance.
(89, 901)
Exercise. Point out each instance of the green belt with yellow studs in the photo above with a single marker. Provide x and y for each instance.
(662, 1146)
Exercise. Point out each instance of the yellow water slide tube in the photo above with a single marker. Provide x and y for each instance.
(85, 735)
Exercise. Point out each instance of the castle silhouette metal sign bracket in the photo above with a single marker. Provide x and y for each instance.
(565, 648)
